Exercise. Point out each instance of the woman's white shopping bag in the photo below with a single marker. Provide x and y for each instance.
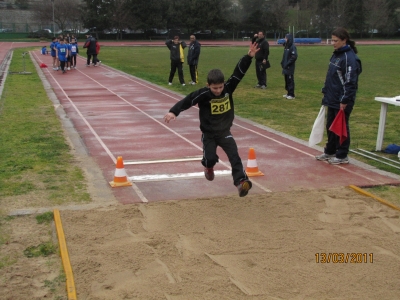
(317, 132)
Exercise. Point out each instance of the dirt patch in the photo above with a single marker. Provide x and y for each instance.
(264, 246)
(270, 246)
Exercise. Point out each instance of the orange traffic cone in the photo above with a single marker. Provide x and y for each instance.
(120, 177)
(252, 168)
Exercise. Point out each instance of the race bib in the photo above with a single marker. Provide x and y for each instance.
(220, 106)
(73, 48)
(62, 50)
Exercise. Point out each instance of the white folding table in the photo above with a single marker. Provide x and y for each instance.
(382, 118)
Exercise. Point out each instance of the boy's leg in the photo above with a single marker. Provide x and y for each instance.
(228, 144)
(240, 179)
(89, 56)
(210, 157)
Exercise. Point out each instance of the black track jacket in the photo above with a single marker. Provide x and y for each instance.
(216, 113)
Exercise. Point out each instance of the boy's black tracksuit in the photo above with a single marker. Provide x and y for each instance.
(216, 117)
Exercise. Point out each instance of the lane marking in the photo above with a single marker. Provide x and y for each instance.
(142, 162)
(162, 177)
(130, 78)
(127, 76)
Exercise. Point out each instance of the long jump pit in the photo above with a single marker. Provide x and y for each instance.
(301, 233)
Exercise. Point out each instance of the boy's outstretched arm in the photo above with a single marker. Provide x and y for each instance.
(253, 49)
(169, 116)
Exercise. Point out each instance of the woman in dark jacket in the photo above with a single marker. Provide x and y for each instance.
(288, 65)
(339, 91)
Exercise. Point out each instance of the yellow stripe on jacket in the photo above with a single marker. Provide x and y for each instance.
(181, 53)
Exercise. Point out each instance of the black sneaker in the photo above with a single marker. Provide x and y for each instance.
(209, 173)
(243, 187)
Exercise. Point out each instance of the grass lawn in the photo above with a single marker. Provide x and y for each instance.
(268, 107)
(36, 162)
(35, 159)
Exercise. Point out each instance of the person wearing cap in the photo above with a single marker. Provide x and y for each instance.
(288, 65)
(90, 46)
(176, 47)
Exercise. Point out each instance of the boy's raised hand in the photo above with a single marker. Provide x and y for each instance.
(253, 49)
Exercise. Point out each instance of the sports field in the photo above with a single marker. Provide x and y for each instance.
(304, 244)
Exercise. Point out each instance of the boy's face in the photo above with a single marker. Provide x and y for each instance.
(216, 88)
(176, 41)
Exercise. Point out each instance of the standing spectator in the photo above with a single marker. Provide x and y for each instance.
(53, 52)
(193, 59)
(97, 53)
(69, 54)
(62, 54)
(288, 65)
(74, 52)
(262, 63)
(339, 91)
(216, 113)
(176, 47)
(69, 39)
(90, 46)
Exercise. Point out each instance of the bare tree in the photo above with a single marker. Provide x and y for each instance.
(377, 15)
(66, 13)
(120, 16)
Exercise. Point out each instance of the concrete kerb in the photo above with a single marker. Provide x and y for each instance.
(97, 184)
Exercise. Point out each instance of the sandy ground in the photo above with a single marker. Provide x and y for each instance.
(271, 246)
(305, 244)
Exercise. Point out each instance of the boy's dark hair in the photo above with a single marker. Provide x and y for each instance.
(176, 37)
(54, 38)
(215, 76)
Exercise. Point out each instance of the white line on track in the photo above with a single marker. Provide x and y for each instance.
(158, 90)
(176, 176)
(124, 75)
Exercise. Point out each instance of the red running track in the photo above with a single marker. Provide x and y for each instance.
(120, 115)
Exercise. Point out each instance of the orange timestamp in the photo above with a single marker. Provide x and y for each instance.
(344, 258)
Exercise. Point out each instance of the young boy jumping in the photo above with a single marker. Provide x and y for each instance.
(216, 112)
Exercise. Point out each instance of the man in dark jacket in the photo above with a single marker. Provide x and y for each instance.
(176, 47)
(262, 63)
(193, 59)
(90, 45)
(288, 66)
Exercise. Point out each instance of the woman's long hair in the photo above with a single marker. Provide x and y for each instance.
(343, 34)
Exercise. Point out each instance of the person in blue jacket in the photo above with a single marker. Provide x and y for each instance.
(339, 91)
(288, 65)
(62, 54)
(53, 52)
